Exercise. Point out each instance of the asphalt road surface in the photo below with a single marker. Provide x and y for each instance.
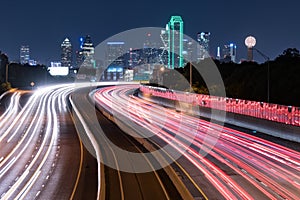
(119, 184)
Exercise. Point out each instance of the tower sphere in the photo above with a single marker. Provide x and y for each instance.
(250, 41)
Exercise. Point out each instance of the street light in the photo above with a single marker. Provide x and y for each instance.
(32, 84)
(191, 77)
(160, 77)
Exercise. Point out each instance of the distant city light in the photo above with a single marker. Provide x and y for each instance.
(115, 43)
(55, 64)
(58, 71)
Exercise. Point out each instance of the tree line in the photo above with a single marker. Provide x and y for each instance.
(247, 80)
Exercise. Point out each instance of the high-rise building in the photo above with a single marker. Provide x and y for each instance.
(3, 67)
(79, 58)
(114, 53)
(187, 50)
(149, 42)
(86, 53)
(203, 45)
(24, 54)
(114, 57)
(229, 52)
(218, 53)
(165, 42)
(150, 50)
(175, 42)
(66, 53)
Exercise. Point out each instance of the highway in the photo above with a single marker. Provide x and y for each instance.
(36, 140)
(235, 164)
(115, 183)
(42, 157)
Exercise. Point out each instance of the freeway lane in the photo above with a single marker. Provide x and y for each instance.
(117, 184)
(238, 165)
(40, 151)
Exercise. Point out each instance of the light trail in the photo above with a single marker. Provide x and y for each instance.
(273, 169)
(30, 137)
(10, 112)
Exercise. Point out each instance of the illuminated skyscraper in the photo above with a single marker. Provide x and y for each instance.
(86, 52)
(229, 52)
(187, 50)
(164, 38)
(24, 54)
(66, 53)
(203, 47)
(218, 53)
(175, 42)
(114, 53)
(114, 57)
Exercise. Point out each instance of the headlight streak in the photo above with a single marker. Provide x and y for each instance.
(11, 110)
(44, 102)
(52, 127)
(20, 119)
(25, 134)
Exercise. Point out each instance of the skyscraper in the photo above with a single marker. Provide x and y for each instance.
(218, 53)
(165, 46)
(3, 67)
(114, 53)
(175, 42)
(229, 52)
(24, 54)
(203, 47)
(66, 53)
(86, 53)
(187, 50)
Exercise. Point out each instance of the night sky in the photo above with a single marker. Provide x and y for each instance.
(43, 24)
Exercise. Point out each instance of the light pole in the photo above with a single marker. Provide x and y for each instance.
(268, 72)
(161, 72)
(32, 84)
(191, 77)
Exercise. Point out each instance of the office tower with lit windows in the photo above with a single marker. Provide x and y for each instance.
(175, 42)
(229, 53)
(114, 53)
(114, 58)
(66, 53)
(78, 58)
(24, 54)
(85, 55)
(203, 45)
(218, 53)
(187, 50)
(165, 46)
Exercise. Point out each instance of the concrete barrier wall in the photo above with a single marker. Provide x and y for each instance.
(272, 128)
(176, 180)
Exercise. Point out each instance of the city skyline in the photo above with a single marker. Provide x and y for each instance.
(275, 29)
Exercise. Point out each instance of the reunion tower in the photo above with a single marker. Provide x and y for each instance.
(250, 42)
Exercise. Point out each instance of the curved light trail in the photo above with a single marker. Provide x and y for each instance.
(28, 140)
(259, 169)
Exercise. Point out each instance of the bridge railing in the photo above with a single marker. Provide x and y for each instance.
(273, 112)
